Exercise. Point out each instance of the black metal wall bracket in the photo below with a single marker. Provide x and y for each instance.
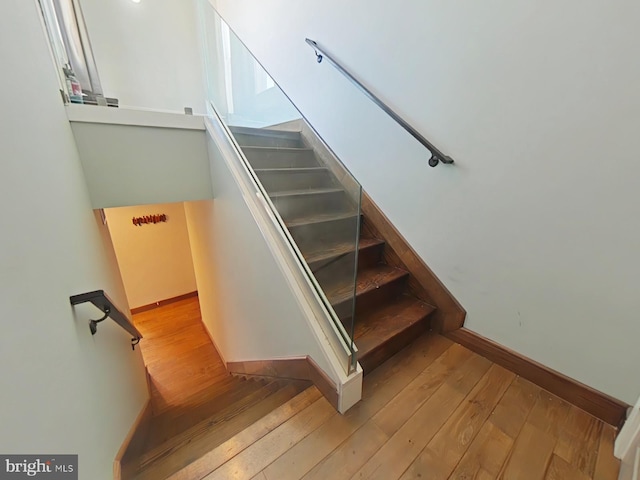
(436, 159)
(93, 324)
(103, 303)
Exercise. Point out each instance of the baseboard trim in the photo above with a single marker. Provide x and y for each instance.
(143, 415)
(423, 283)
(161, 303)
(295, 368)
(598, 404)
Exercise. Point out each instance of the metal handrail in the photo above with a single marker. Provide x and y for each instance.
(436, 155)
(100, 300)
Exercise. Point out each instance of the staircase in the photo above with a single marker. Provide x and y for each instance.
(195, 403)
(168, 442)
(318, 211)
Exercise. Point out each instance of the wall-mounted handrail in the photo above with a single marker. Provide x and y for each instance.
(100, 300)
(436, 155)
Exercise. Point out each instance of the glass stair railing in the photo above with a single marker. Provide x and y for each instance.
(313, 197)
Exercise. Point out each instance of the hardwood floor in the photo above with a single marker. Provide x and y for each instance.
(184, 367)
(195, 403)
(435, 410)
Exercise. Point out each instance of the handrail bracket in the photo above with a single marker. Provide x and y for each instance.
(102, 302)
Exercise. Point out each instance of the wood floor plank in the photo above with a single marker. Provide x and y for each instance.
(405, 445)
(429, 412)
(549, 413)
(396, 373)
(229, 449)
(515, 406)
(260, 454)
(559, 469)
(485, 456)
(607, 466)
(303, 456)
(441, 455)
(579, 440)
(184, 366)
(488, 452)
(530, 456)
(405, 404)
(345, 460)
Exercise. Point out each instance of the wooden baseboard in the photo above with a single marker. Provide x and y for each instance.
(161, 303)
(143, 416)
(598, 404)
(423, 283)
(296, 368)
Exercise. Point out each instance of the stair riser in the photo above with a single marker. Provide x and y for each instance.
(297, 206)
(367, 257)
(330, 271)
(341, 270)
(267, 141)
(386, 350)
(278, 181)
(373, 298)
(280, 158)
(370, 256)
(379, 296)
(313, 237)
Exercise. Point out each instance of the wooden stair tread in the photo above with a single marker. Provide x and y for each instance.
(342, 248)
(189, 447)
(197, 398)
(307, 191)
(218, 455)
(175, 421)
(291, 169)
(277, 149)
(376, 327)
(167, 446)
(366, 281)
(265, 132)
(321, 218)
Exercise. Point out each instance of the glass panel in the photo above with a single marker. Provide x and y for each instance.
(315, 198)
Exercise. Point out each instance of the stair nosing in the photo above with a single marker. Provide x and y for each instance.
(338, 216)
(287, 149)
(149, 456)
(399, 274)
(373, 242)
(301, 192)
(290, 169)
(266, 132)
(365, 349)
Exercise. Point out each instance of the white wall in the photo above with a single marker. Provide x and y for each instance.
(154, 259)
(147, 53)
(534, 229)
(141, 164)
(62, 389)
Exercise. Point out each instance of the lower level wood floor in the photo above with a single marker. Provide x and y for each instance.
(184, 366)
(434, 411)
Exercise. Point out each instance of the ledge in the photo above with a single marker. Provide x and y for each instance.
(128, 116)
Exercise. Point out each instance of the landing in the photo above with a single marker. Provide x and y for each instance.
(184, 366)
